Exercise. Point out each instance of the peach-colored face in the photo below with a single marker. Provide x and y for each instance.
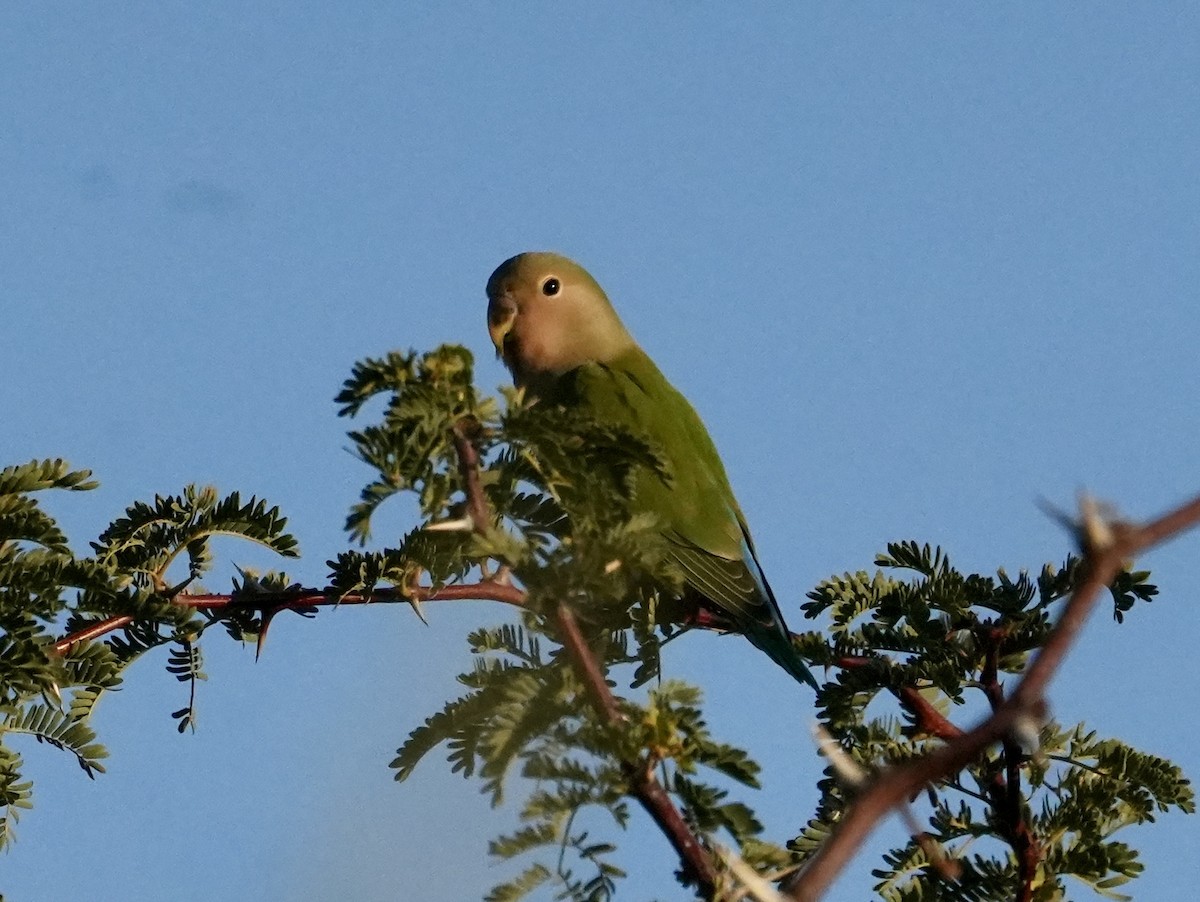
(546, 316)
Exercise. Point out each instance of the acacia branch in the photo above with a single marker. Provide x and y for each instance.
(300, 597)
(695, 859)
(697, 864)
(1005, 790)
(927, 718)
(465, 432)
(1104, 557)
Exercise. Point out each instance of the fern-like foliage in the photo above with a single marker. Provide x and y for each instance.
(557, 487)
(534, 499)
(954, 637)
(48, 692)
(412, 448)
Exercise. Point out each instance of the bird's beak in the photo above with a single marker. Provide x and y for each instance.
(502, 313)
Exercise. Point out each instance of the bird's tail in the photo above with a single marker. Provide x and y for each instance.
(779, 647)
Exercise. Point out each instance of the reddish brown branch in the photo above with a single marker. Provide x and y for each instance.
(585, 662)
(95, 631)
(465, 432)
(898, 783)
(1005, 791)
(697, 863)
(928, 718)
(487, 590)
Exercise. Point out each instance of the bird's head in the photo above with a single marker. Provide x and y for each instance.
(547, 316)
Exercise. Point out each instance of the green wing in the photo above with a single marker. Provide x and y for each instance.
(707, 532)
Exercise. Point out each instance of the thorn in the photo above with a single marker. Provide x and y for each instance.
(1095, 529)
(268, 615)
(847, 768)
(462, 524)
(250, 581)
(1059, 516)
(416, 606)
(179, 587)
(410, 595)
(752, 882)
(612, 567)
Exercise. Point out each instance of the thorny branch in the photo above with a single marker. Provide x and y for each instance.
(694, 857)
(928, 718)
(697, 864)
(465, 432)
(291, 599)
(1005, 790)
(1106, 547)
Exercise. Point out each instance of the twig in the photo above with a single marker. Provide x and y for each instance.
(928, 718)
(649, 792)
(697, 864)
(465, 431)
(853, 776)
(1005, 791)
(645, 787)
(1003, 795)
(1103, 562)
(695, 859)
(585, 662)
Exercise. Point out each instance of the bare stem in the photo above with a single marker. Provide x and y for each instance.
(1005, 791)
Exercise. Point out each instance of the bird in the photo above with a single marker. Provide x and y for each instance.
(563, 342)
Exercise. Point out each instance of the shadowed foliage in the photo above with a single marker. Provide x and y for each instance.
(529, 504)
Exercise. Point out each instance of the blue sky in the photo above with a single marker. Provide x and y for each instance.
(916, 266)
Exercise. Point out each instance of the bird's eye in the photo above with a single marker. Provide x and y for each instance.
(551, 287)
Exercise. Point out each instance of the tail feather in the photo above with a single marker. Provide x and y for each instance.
(779, 648)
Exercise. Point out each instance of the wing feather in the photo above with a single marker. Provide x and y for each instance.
(700, 515)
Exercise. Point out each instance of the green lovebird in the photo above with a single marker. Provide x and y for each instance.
(559, 335)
